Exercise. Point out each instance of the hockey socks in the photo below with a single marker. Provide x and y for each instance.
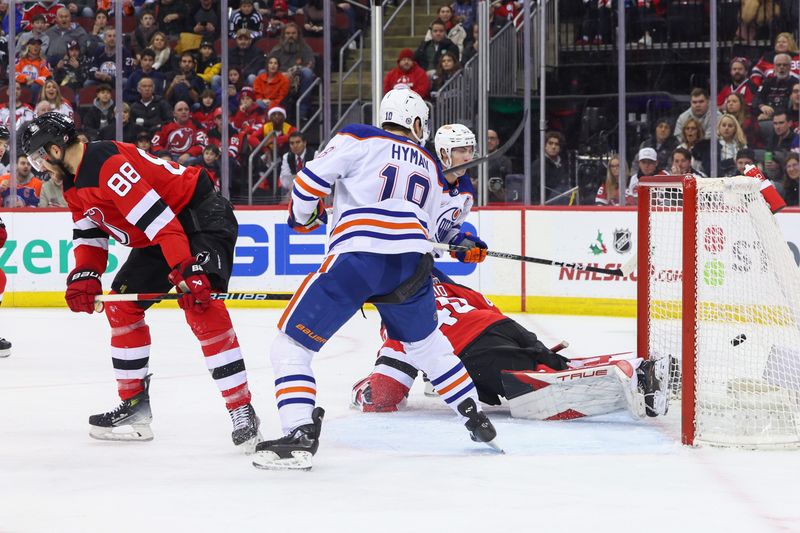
(295, 386)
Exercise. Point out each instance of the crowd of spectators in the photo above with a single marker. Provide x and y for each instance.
(171, 75)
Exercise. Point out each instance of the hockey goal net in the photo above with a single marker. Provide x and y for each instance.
(718, 289)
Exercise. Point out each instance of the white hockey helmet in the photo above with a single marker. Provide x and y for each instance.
(402, 106)
(452, 136)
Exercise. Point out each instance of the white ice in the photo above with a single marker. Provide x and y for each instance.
(411, 471)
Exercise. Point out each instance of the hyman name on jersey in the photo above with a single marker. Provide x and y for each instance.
(410, 154)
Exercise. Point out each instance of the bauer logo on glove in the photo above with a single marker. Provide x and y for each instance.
(469, 248)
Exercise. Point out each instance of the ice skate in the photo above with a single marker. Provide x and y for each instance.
(653, 376)
(479, 426)
(294, 451)
(245, 433)
(5, 348)
(129, 421)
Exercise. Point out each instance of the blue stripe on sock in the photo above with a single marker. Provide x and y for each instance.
(460, 393)
(295, 377)
(283, 403)
(448, 375)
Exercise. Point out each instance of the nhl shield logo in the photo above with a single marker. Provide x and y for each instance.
(622, 240)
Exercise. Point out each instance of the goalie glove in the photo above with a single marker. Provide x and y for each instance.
(768, 190)
(190, 278)
(475, 248)
(318, 217)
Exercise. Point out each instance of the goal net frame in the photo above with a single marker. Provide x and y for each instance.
(747, 393)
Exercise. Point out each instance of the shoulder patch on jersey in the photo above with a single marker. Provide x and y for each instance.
(96, 154)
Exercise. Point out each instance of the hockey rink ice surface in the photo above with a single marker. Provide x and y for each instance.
(411, 471)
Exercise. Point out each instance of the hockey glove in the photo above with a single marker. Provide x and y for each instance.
(190, 278)
(317, 218)
(82, 287)
(476, 248)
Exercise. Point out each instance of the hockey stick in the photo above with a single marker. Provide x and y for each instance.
(623, 271)
(156, 296)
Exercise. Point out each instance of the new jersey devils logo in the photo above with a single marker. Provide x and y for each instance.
(98, 218)
(180, 140)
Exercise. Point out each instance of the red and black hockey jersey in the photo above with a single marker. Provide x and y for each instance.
(463, 315)
(123, 192)
(179, 139)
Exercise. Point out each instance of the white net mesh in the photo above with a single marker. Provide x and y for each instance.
(747, 359)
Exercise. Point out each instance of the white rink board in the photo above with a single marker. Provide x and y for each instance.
(270, 257)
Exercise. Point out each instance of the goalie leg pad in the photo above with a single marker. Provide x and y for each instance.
(572, 394)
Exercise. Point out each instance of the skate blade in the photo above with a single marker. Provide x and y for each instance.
(267, 460)
(496, 447)
(122, 433)
(248, 447)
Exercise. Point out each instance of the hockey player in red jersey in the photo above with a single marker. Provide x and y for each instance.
(5, 346)
(182, 234)
(506, 360)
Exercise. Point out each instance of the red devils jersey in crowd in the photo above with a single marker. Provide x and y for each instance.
(463, 315)
(235, 139)
(180, 138)
(40, 8)
(125, 193)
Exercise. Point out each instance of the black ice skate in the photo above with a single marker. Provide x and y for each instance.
(294, 451)
(653, 383)
(5, 348)
(129, 421)
(479, 426)
(245, 428)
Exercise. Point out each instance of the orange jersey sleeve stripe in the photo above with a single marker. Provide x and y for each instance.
(379, 224)
(454, 384)
(310, 190)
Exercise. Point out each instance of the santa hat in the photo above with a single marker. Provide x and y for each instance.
(277, 109)
(247, 91)
(405, 53)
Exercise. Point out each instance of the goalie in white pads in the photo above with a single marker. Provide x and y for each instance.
(506, 360)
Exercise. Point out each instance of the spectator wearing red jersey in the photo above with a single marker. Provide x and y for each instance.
(407, 72)
(740, 83)
(48, 9)
(184, 138)
(272, 86)
(784, 44)
(203, 112)
(250, 116)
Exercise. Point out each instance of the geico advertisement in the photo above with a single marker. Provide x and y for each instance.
(269, 256)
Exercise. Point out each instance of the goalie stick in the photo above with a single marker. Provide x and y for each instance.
(623, 271)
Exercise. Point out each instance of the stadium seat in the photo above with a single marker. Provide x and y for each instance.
(86, 95)
(25, 95)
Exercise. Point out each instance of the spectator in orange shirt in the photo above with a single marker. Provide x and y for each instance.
(32, 69)
(272, 86)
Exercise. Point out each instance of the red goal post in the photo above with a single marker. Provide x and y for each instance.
(718, 290)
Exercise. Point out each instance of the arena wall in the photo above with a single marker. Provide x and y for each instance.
(272, 258)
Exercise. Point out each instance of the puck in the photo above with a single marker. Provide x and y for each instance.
(738, 339)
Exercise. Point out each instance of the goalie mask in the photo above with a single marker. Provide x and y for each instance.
(402, 107)
(452, 136)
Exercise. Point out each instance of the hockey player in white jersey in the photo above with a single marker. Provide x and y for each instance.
(388, 198)
(455, 145)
